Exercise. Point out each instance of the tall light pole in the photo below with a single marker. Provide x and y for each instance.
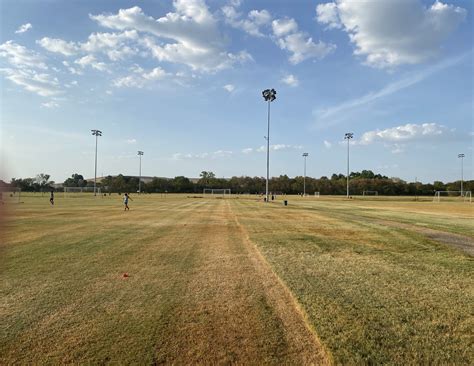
(348, 136)
(305, 155)
(140, 154)
(96, 133)
(461, 156)
(269, 95)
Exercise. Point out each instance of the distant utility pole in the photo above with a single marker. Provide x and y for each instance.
(305, 155)
(96, 133)
(461, 156)
(140, 154)
(269, 95)
(348, 136)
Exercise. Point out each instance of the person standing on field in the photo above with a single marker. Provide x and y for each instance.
(126, 197)
(51, 197)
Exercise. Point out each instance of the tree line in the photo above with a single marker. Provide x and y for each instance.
(365, 180)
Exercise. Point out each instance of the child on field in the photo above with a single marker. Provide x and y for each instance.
(126, 197)
(51, 198)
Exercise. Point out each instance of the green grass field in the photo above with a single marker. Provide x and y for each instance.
(321, 281)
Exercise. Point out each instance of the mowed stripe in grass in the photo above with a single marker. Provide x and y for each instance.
(67, 295)
(374, 294)
(195, 292)
(452, 217)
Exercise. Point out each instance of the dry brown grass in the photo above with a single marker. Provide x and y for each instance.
(198, 291)
(376, 289)
(236, 281)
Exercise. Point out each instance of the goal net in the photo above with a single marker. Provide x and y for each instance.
(464, 196)
(73, 191)
(216, 192)
(10, 194)
(370, 193)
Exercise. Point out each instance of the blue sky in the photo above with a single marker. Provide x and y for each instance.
(182, 80)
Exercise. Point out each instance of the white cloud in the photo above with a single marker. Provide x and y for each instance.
(20, 56)
(328, 14)
(327, 144)
(397, 138)
(229, 87)
(50, 105)
(117, 46)
(298, 43)
(91, 61)
(285, 33)
(28, 70)
(212, 155)
(260, 17)
(140, 77)
(156, 74)
(59, 46)
(282, 27)
(391, 33)
(399, 134)
(397, 148)
(192, 30)
(279, 147)
(71, 84)
(387, 90)
(24, 28)
(131, 141)
(290, 80)
(39, 83)
(71, 69)
(252, 24)
(221, 153)
(247, 150)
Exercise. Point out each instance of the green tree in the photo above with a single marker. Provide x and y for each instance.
(76, 180)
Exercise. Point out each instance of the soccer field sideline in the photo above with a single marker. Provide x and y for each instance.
(191, 285)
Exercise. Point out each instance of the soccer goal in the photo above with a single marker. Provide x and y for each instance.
(216, 192)
(464, 196)
(10, 194)
(370, 193)
(316, 194)
(72, 191)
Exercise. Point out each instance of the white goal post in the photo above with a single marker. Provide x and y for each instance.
(10, 194)
(465, 196)
(370, 193)
(71, 190)
(216, 192)
(316, 194)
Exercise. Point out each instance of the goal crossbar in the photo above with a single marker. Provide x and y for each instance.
(370, 193)
(465, 195)
(216, 191)
(68, 190)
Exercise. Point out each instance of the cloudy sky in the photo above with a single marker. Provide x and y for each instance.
(182, 80)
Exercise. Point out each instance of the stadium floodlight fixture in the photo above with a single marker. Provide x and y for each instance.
(461, 156)
(305, 155)
(348, 136)
(96, 133)
(269, 95)
(140, 154)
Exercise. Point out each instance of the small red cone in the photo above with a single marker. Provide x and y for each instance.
(125, 275)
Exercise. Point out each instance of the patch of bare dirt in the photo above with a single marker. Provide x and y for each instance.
(464, 243)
